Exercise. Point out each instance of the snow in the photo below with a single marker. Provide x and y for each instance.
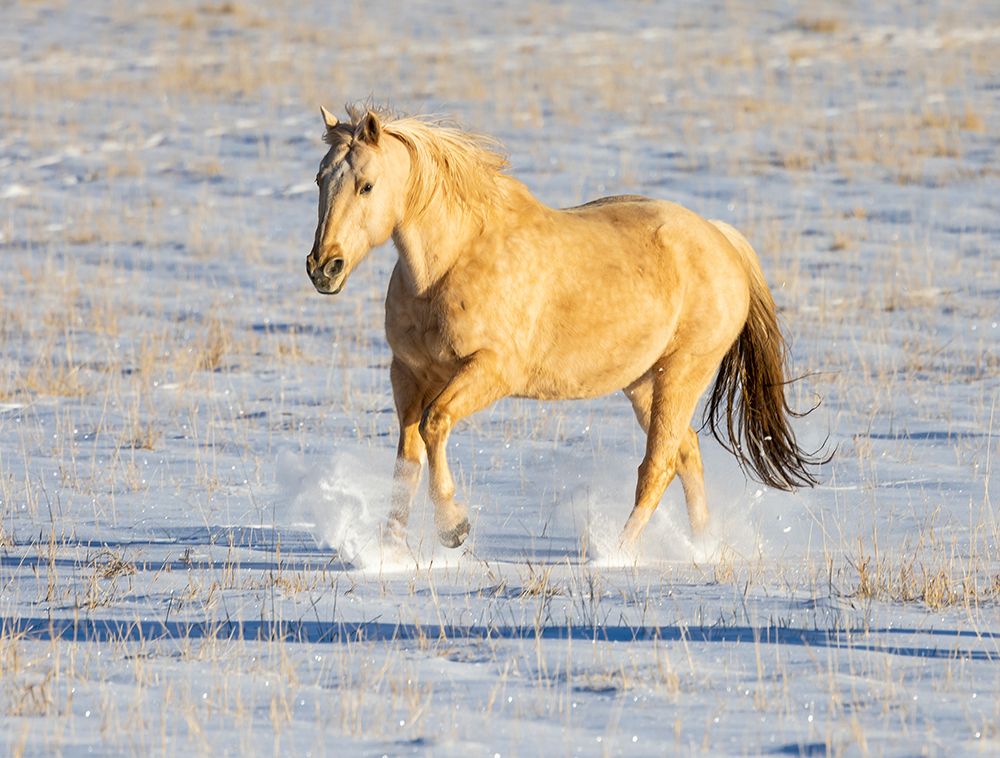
(196, 448)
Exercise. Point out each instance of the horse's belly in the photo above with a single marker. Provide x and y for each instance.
(598, 367)
(570, 387)
(596, 340)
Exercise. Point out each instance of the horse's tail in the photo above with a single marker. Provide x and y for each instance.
(747, 402)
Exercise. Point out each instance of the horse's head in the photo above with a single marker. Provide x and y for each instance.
(362, 191)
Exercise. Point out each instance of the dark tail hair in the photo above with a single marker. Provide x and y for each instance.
(747, 411)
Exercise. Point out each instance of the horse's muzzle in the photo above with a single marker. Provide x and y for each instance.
(329, 278)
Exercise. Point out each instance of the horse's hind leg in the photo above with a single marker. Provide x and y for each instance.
(689, 466)
(409, 399)
(690, 469)
(674, 387)
(477, 384)
(640, 394)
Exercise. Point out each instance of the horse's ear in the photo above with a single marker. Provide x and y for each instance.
(369, 129)
(328, 118)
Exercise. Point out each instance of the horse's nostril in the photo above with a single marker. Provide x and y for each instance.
(333, 268)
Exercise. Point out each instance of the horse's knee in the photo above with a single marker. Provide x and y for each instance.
(411, 447)
(434, 426)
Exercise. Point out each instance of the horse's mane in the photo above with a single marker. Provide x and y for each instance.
(458, 166)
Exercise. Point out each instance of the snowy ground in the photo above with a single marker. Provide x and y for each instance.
(195, 448)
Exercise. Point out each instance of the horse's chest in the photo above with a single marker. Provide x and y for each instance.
(414, 334)
(433, 333)
(467, 311)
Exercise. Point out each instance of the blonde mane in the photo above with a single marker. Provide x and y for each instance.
(461, 168)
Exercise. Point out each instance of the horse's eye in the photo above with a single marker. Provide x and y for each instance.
(366, 188)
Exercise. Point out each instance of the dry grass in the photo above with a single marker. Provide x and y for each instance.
(934, 577)
(212, 345)
(50, 376)
(819, 25)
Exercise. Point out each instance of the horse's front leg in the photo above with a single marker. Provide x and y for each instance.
(408, 396)
(478, 383)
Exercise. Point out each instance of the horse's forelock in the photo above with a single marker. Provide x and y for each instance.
(340, 135)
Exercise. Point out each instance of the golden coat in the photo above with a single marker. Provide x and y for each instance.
(496, 294)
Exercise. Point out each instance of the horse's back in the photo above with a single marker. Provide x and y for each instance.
(611, 199)
(637, 278)
(638, 214)
(658, 235)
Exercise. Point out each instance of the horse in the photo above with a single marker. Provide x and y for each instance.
(495, 294)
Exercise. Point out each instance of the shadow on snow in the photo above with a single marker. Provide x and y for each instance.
(120, 630)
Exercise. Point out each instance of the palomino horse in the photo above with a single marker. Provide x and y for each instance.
(496, 294)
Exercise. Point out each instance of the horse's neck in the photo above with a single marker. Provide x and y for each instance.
(425, 254)
(429, 246)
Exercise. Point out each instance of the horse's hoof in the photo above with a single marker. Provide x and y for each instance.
(455, 537)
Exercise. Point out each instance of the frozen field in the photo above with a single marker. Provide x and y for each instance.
(196, 448)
